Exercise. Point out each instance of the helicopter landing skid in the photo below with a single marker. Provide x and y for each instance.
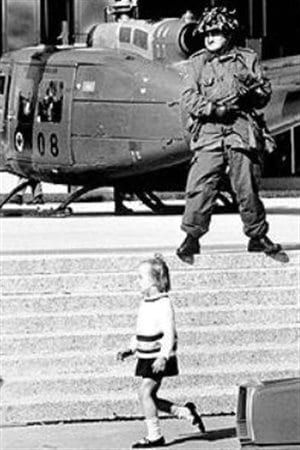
(226, 203)
(151, 200)
(63, 210)
(36, 212)
(14, 191)
(53, 212)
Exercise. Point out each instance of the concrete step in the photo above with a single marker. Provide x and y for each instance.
(114, 338)
(99, 320)
(237, 297)
(112, 405)
(62, 364)
(118, 262)
(65, 317)
(44, 397)
(118, 282)
(122, 380)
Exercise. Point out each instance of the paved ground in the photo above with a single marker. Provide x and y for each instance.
(94, 229)
(119, 435)
(180, 435)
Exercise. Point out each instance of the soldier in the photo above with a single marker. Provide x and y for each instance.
(36, 190)
(223, 87)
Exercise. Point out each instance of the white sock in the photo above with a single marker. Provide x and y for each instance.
(153, 427)
(181, 412)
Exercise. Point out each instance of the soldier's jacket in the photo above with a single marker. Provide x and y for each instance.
(210, 79)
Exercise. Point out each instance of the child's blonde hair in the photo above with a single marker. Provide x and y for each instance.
(159, 272)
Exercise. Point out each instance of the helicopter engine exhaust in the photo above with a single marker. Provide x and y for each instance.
(178, 37)
(170, 39)
(189, 40)
(57, 22)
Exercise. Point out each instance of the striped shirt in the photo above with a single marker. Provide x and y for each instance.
(156, 332)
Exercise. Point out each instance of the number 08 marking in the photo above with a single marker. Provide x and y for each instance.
(53, 144)
(41, 144)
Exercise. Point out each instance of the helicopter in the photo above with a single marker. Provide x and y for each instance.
(105, 113)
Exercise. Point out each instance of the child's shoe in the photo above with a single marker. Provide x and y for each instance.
(196, 418)
(146, 443)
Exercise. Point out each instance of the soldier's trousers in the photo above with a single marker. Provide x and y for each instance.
(36, 188)
(207, 169)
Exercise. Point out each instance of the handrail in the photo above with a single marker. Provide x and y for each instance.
(283, 125)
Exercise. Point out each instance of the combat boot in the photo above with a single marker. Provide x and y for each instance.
(189, 247)
(263, 244)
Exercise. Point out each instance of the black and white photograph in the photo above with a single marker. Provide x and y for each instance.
(149, 224)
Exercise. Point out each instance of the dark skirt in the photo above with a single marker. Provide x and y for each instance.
(144, 368)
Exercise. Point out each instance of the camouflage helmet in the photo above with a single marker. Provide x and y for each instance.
(218, 18)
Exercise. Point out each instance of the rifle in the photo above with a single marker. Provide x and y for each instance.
(231, 104)
(233, 99)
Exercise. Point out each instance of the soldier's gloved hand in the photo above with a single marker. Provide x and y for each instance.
(257, 95)
(221, 112)
(246, 80)
(243, 92)
(262, 94)
(224, 112)
(245, 86)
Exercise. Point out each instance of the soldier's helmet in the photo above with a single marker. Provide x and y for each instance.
(219, 18)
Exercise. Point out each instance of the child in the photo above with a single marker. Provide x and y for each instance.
(155, 345)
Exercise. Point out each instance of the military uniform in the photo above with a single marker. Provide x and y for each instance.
(36, 189)
(223, 142)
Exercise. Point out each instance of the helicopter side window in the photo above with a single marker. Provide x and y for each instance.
(4, 97)
(51, 102)
(140, 39)
(25, 110)
(2, 102)
(2, 84)
(125, 35)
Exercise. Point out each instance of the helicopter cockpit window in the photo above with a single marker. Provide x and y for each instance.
(2, 84)
(25, 110)
(140, 39)
(51, 101)
(125, 35)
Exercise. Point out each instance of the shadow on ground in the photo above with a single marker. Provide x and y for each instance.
(213, 435)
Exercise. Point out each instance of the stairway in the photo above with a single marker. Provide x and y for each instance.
(64, 319)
